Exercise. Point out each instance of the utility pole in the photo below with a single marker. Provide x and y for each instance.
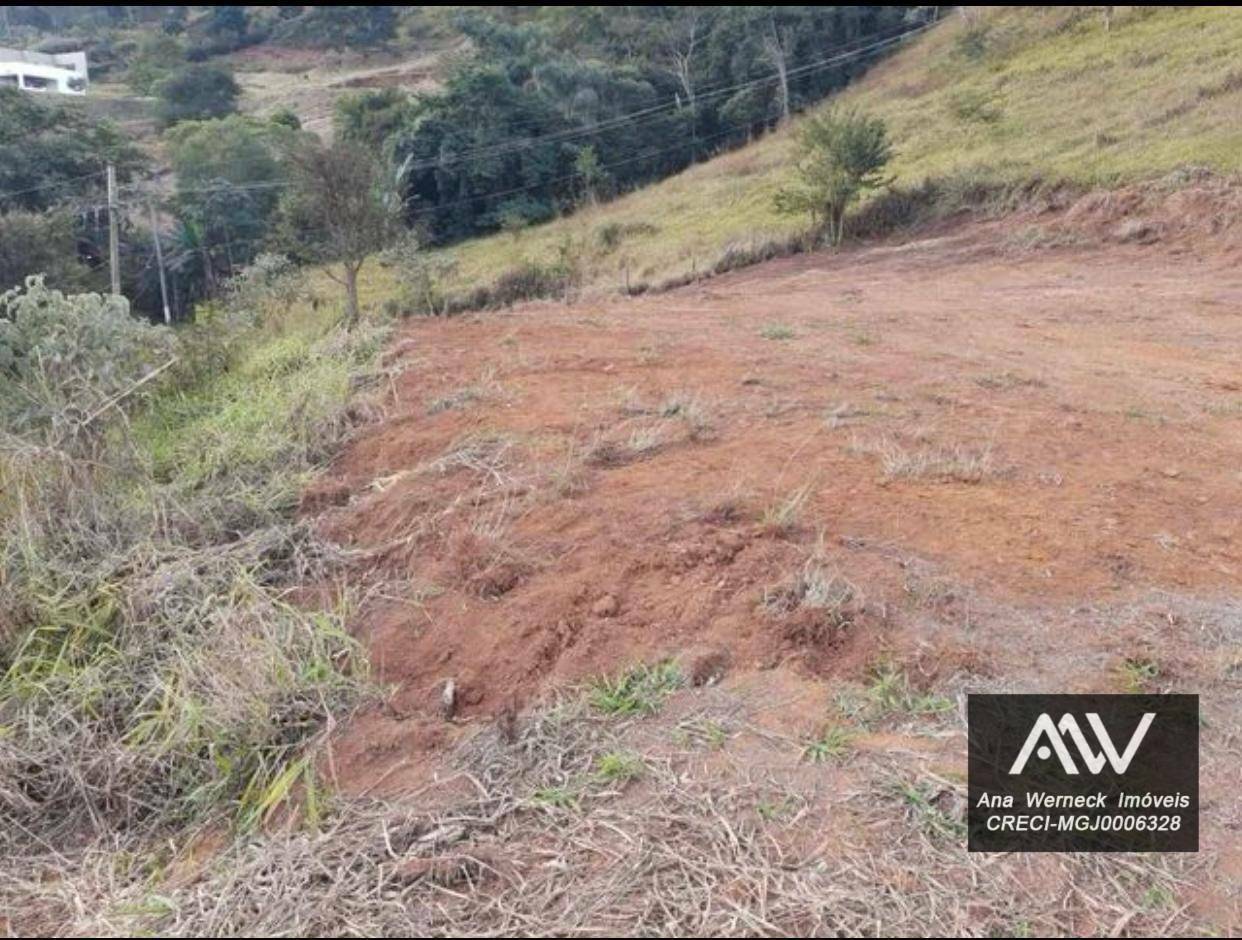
(114, 251)
(159, 261)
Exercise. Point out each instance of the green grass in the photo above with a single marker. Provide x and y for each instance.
(1136, 674)
(1030, 94)
(832, 742)
(640, 691)
(279, 406)
(618, 767)
(777, 332)
(919, 801)
(705, 732)
(156, 673)
(557, 798)
(889, 692)
(775, 810)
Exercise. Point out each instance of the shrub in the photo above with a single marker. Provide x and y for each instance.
(264, 291)
(196, 93)
(157, 55)
(841, 154)
(286, 117)
(39, 243)
(371, 116)
(420, 277)
(612, 234)
(67, 361)
(530, 280)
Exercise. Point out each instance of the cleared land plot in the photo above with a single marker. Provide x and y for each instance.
(886, 477)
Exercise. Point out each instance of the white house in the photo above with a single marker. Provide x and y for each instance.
(37, 71)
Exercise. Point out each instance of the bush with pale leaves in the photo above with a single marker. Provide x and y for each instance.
(70, 361)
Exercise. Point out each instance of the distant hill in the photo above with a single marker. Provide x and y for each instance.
(990, 98)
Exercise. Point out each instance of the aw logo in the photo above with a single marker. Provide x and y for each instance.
(1068, 726)
(1082, 773)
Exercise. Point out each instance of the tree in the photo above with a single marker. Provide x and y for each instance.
(174, 20)
(647, 88)
(841, 156)
(340, 208)
(457, 148)
(227, 20)
(39, 243)
(681, 30)
(286, 117)
(371, 117)
(777, 45)
(52, 153)
(157, 55)
(228, 181)
(591, 176)
(339, 26)
(196, 93)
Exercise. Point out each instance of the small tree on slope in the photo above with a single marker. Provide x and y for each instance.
(840, 156)
(339, 209)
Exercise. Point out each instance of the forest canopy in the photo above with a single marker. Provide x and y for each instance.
(645, 90)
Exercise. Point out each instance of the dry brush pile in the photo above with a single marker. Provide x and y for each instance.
(579, 823)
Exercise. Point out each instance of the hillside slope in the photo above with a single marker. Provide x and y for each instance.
(1009, 97)
(658, 615)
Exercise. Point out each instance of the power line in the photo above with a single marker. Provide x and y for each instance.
(440, 206)
(634, 118)
(229, 243)
(223, 187)
(710, 91)
(53, 185)
(653, 111)
(502, 148)
(435, 207)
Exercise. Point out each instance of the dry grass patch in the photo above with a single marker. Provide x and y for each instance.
(956, 463)
(781, 517)
(553, 842)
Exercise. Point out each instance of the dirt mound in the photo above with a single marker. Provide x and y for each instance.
(1192, 206)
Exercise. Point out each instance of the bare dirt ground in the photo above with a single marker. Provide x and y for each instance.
(937, 467)
(311, 81)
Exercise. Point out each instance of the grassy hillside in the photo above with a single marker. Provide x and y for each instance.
(1012, 96)
(156, 667)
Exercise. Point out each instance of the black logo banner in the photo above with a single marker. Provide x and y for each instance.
(1083, 773)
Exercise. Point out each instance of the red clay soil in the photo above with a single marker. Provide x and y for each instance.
(999, 451)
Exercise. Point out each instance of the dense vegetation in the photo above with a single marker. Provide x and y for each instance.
(576, 102)
(46, 146)
(551, 107)
(155, 670)
(52, 196)
(981, 110)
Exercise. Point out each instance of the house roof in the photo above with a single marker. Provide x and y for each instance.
(64, 60)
